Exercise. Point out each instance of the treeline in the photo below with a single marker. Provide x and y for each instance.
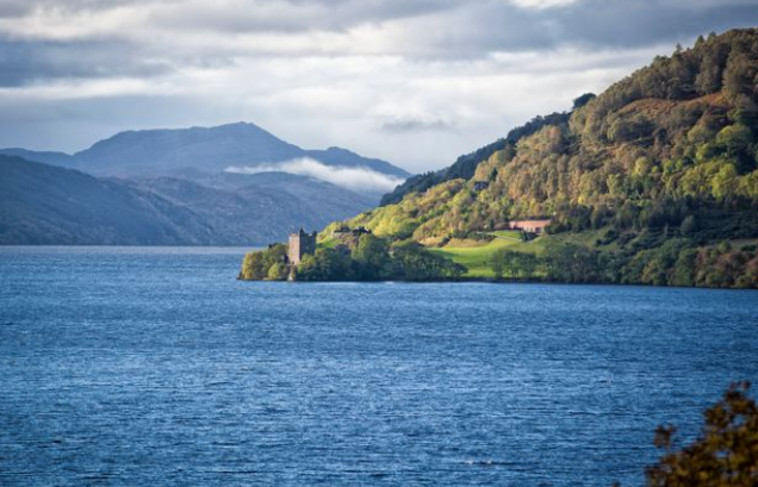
(698, 220)
(678, 262)
(367, 258)
(719, 64)
(684, 127)
(465, 166)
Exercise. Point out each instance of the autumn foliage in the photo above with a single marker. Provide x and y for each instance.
(725, 454)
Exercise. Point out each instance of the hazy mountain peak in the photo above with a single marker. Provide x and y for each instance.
(208, 149)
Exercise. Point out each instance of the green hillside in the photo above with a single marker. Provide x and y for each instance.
(653, 181)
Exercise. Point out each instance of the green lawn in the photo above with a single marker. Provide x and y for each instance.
(512, 234)
(476, 259)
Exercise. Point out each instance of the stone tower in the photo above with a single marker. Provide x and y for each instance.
(301, 243)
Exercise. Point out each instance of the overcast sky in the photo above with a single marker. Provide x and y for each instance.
(416, 82)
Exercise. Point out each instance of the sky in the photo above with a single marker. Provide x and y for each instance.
(414, 82)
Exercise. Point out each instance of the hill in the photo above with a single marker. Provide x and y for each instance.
(653, 181)
(206, 149)
(465, 166)
(262, 208)
(43, 204)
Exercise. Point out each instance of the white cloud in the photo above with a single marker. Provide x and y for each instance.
(353, 178)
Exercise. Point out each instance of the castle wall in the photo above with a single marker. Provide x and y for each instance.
(294, 249)
(301, 244)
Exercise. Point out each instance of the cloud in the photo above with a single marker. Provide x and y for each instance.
(352, 178)
(26, 62)
(541, 4)
(187, 29)
(416, 83)
(417, 125)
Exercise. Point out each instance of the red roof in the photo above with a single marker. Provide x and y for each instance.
(530, 225)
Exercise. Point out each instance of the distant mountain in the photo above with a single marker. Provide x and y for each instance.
(43, 204)
(163, 151)
(46, 157)
(262, 208)
(206, 149)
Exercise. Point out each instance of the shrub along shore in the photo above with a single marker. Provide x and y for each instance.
(560, 258)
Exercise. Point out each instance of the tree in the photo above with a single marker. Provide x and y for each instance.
(739, 74)
(709, 78)
(524, 265)
(736, 141)
(372, 257)
(256, 265)
(688, 226)
(277, 272)
(627, 129)
(566, 262)
(418, 264)
(498, 263)
(582, 100)
(684, 268)
(325, 265)
(725, 454)
(252, 267)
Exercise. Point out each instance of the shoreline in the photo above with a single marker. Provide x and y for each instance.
(486, 280)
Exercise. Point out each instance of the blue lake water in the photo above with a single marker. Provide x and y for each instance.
(130, 366)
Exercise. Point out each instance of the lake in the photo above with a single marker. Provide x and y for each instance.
(154, 366)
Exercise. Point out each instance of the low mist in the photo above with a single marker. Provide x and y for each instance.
(352, 178)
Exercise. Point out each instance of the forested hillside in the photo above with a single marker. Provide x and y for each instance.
(668, 154)
(465, 166)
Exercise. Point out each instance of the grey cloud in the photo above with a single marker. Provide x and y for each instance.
(329, 14)
(627, 24)
(445, 29)
(23, 62)
(12, 8)
(301, 15)
(402, 125)
(436, 29)
(496, 26)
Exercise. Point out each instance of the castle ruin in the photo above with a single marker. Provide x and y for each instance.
(301, 244)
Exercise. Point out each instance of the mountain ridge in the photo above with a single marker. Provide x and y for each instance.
(210, 149)
(45, 204)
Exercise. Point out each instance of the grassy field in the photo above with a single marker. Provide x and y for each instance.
(476, 259)
(476, 255)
